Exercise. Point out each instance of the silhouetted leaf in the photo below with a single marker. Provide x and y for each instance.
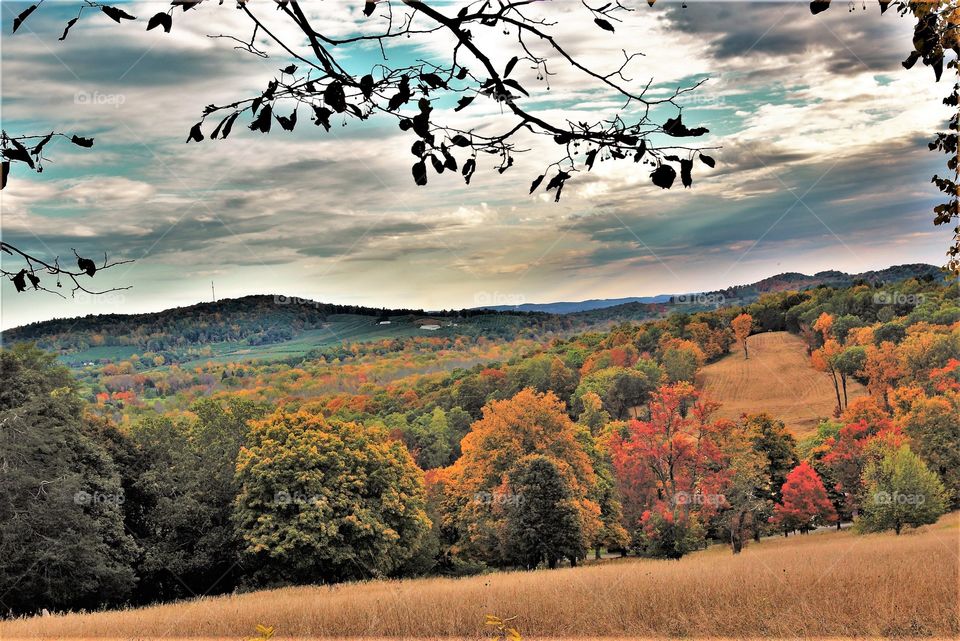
(557, 183)
(288, 122)
(368, 7)
(818, 6)
(34, 280)
(603, 24)
(162, 19)
(366, 86)
(911, 59)
(536, 182)
(225, 126)
(462, 73)
(321, 116)
(19, 153)
(264, 120)
(437, 164)
(510, 66)
(460, 141)
(686, 168)
(463, 102)
(23, 16)
(4, 172)
(591, 157)
(117, 14)
(663, 176)
(82, 142)
(333, 95)
(402, 96)
(20, 281)
(675, 127)
(419, 171)
(510, 82)
(708, 160)
(468, 168)
(433, 80)
(289, 69)
(884, 4)
(418, 148)
(40, 145)
(87, 265)
(66, 29)
(448, 160)
(196, 134)
(641, 150)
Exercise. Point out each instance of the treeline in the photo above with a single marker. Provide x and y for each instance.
(595, 442)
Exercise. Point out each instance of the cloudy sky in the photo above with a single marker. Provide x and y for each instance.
(823, 163)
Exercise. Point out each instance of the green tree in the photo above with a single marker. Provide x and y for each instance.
(933, 425)
(187, 483)
(429, 439)
(901, 491)
(326, 501)
(543, 520)
(62, 541)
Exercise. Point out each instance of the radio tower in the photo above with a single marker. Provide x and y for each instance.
(212, 292)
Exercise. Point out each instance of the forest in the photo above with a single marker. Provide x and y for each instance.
(432, 455)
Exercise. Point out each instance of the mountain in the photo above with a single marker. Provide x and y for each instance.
(580, 306)
(279, 327)
(738, 293)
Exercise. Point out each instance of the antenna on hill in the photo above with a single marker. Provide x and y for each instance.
(212, 292)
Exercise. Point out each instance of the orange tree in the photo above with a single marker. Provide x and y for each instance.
(479, 492)
(742, 325)
(805, 503)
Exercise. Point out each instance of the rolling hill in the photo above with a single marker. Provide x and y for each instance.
(778, 379)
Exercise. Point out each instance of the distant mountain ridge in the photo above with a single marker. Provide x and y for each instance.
(259, 321)
(779, 282)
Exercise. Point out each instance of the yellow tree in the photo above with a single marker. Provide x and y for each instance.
(742, 325)
(479, 498)
(882, 369)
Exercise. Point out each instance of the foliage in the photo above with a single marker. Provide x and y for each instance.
(805, 504)
(902, 491)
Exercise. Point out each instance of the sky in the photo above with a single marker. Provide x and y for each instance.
(821, 163)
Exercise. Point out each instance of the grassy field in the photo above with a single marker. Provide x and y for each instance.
(824, 584)
(778, 379)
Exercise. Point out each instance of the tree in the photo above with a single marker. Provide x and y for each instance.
(805, 503)
(902, 491)
(321, 76)
(527, 424)
(62, 537)
(824, 360)
(544, 522)
(619, 388)
(849, 362)
(185, 484)
(670, 469)
(742, 325)
(933, 425)
(771, 439)
(681, 360)
(881, 369)
(326, 501)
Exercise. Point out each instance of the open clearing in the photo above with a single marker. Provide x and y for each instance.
(777, 379)
(824, 584)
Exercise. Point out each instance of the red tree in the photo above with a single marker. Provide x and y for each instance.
(805, 503)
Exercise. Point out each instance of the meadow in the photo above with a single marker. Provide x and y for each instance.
(823, 584)
(778, 377)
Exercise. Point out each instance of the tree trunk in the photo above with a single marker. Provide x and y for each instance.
(896, 528)
(596, 553)
(843, 377)
(745, 354)
(573, 561)
(552, 563)
(836, 389)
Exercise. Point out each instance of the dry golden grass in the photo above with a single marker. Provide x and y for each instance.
(825, 584)
(777, 379)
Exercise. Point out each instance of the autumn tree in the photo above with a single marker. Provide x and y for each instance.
(933, 425)
(671, 465)
(770, 438)
(527, 424)
(881, 368)
(805, 504)
(326, 500)
(901, 491)
(742, 325)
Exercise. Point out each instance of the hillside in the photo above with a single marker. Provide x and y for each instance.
(878, 585)
(778, 379)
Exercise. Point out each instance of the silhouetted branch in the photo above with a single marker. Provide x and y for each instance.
(29, 275)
